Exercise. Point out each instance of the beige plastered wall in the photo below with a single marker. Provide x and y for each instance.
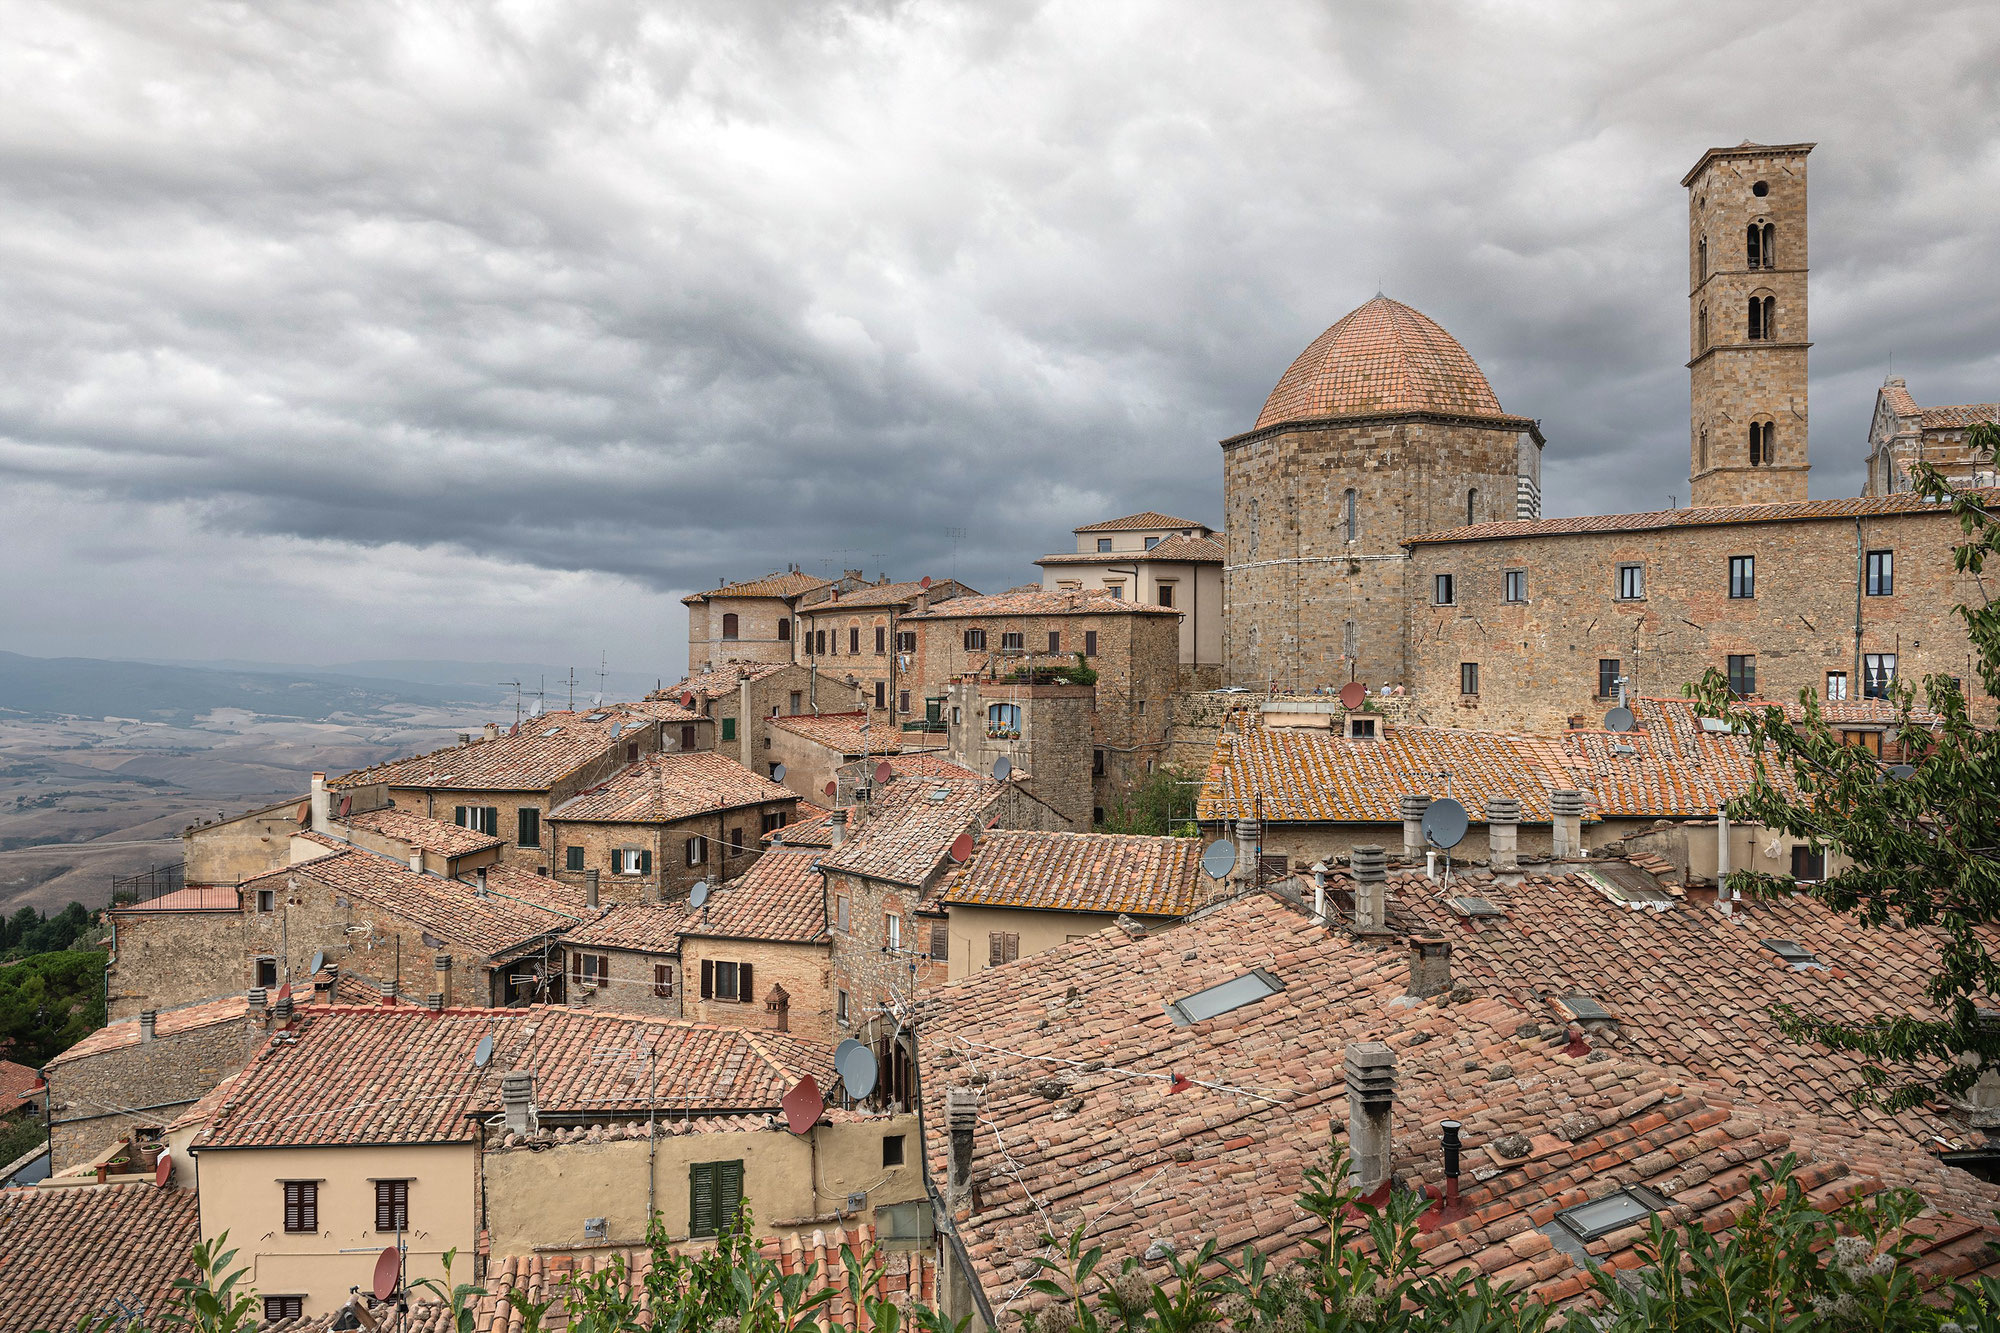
(971, 926)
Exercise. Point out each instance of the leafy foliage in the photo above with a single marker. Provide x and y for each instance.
(49, 1002)
(1923, 849)
(1079, 673)
(29, 932)
(1162, 804)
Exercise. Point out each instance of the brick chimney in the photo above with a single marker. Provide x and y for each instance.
(517, 1100)
(778, 1004)
(1503, 827)
(962, 1119)
(1371, 888)
(1412, 807)
(441, 965)
(1567, 806)
(1430, 967)
(147, 1023)
(1371, 1104)
(492, 731)
(416, 860)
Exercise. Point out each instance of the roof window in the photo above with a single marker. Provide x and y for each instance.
(1800, 959)
(1629, 886)
(1721, 725)
(596, 717)
(1474, 907)
(1587, 1010)
(1255, 985)
(1620, 1208)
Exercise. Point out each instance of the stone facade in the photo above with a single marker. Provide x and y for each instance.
(855, 635)
(166, 959)
(752, 621)
(229, 851)
(98, 1096)
(729, 839)
(805, 971)
(1051, 750)
(1902, 434)
(1747, 244)
(1810, 615)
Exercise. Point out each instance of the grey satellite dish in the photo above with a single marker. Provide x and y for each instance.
(777, 772)
(1001, 768)
(319, 961)
(698, 894)
(1444, 823)
(1901, 771)
(855, 1064)
(431, 941)
(483, 1053)
(1219, 858)
(1619, 719)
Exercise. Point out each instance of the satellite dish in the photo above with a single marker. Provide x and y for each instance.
(431, 941)
(698, 894)
(319, 961)
(1219, 858)
(883, 772)
(1619, 719)
(802, 1106)
(346, 804)
(856, 1065)
(924, 582)
(961, 848)
(482, 1054)
(1002, 767)
(1353, 694)
(687, 701)
(777, 772)
(1444, 823)
(388, 1268)
(832, 789)
(163, 1170)
(284, 993)
(1901, 771)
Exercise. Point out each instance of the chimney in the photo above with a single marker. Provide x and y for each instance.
(435, 1001)
(442, 966)
(1249, 835)
(492, 731)
(1567, 806)
(147, 1021)
(778, 1004)
(258, 999)
(962, 1117)
(282, 1011)
(319, 803)
(479, 881)
(1413, 807)
(590, 888)
(1503, 827)
(1430, 967)
(837, 821)
(1319, 891)
(1371, 1103)
(416, 860)
(1371, 888)
(517, 1100)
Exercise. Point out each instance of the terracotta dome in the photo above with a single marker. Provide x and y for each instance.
(1381, 358)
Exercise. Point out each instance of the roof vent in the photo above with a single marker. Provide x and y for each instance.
(1799, 959)
(1474, 908)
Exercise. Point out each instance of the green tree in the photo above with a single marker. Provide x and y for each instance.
(1922, 842)
(49, 1002)
(1162, 804)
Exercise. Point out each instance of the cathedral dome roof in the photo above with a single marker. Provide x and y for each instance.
(1381, 358)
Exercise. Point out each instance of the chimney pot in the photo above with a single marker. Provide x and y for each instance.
(962, 1120)
(1371, 887)
(416, 860)
(147, 1022)
(1503, 829)
(316, 803)
(1430, 967)
(1413, 805)
(837, 821)
(1566, 808)
(436, 1001)
(1371, 1102)
(517, 1100)
(590, 888)
(1249, 836)
(282, 1010)
(480, 884)
(441, 966)
(258, 998)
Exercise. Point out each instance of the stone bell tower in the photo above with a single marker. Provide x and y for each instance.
(1747, 324)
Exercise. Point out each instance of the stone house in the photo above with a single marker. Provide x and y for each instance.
(1134, 649)
(853, 632)
(746, 622)
(1047, 734)
(652, 830)
(812, 749)
(228, 851)
(506, 783)
(1902, 434)
(1160, 560)
(734, 698)
(1026, 891)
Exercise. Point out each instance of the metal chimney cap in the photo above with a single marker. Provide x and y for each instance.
(1413, 805)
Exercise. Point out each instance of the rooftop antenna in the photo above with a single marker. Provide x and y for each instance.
(957, 535)
(572, 690)
(517, 699)
(603, 671)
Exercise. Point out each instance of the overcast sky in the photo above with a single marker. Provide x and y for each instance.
(441, 330)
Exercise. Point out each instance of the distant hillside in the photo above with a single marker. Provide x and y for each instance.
(88, 687)
(485, 677)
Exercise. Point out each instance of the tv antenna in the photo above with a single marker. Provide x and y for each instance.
(572, 690)
(603, 672)
(957, 535)
(517, 699)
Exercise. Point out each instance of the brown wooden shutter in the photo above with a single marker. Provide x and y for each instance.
(663, 980)
(392, 1205)
(994, 946)
(744, 992)
(292, 1222)
(940, 943)
(1013, 945)
(707, 979)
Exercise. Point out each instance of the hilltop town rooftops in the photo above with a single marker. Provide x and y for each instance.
(1295, 773)
(789, 583)
(1144, 522)
(69, 1252)
(889, 594)
(910, 827)
(424, 833)
(634, 927)
(543, 751)
(1079, 872)
(781, 900)
(809, 828)
(405, 1075)
(841, 731)
(1041, 602)
(1792, 511)
(717, 680)
(661, 788)
(662, 710)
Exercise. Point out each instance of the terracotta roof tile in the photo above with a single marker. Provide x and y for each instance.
(637, 927)
(718, 680)
(1199, 550)
(1957, 418)
(1904, 502)
(1080, 872)
(1041, 602)
(542, 752)
(1382, 357)
(406, 1075)
(168, 1022)
(841, 731)
(1898, 395)
(809, 828)
(791, 583)
(17, 1082)
(431, 835)
(1140, 522)
(70, 1252)
(910, 828)
(889, 594)
(662, 710)
(664, 787)
(780, 900)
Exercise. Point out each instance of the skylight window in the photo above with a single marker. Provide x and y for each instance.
(1587, 1010)
(1629, 886)
(1255, 985)
(552, 731)
(1800, 959)
(1473, 907)
(1717, 724)
(596, 717)
(1619, 1209)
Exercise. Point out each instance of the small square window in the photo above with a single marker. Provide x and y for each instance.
(1514, 585)
(892, 1150)
(1631, 583)
(1103, 543)
(1836, 685)
(267, 900)
(1444, 590)
(1151, 542)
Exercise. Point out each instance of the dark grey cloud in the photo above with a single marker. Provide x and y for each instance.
(433, 330)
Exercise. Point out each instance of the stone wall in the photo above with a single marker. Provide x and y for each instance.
(1538, 660)
(163, 960)
(1052, 752)
(757, 631)
(99, 1098)
(804, 970)
(672, 874)
(233, 850)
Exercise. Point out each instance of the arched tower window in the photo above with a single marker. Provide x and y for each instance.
(1763, 443)
(1755, 244)
(1769, 245)
(1350, 518)
(784, 629)
(1703, 454)
(729, 625)
(1701, 331)
(1701, 263)
(1763, 318)
(1471, 506)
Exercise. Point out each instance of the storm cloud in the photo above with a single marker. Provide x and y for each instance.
(441, 330)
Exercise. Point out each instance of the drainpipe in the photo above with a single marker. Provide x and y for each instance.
(1860, 582)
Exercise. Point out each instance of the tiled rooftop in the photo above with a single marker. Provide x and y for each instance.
(888, 594)
(432, 835)
(1200, 550)
(1041, 602)
(406, 1075)
(1382, 357)
(809, 828)
(780, 900)
(66, 1253)
(543, 751)
(842, 732)
(1073, 1059)
(1959, 417)
(718, 680)
(1143, 522)
(664, 787)
(790, 583)
(1080, 872)
(636, 927)
(1878, 506)
(17, 1082)
(910, 828)
(1300, 773)
(169, 1022)
(668, 710)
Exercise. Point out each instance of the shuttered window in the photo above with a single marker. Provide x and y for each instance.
(301, 1206)
(283, 1307)
(940, 943)
(716, 1193)
(726, 981)
(1002, 947)
(573, 858)
(479, 818)
(589, 970)
(392, 1205)
(529, 831)
(1090, 643)
(729, 728)
(663, 980)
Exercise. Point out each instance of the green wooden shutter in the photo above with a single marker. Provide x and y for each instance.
(729, 728)
(459, 817)
(746, 995)
(574, 857)
(645, 861)
(701, 1204)
(729, 1191)
(617, 861)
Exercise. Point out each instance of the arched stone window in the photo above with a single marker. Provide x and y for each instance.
(1350, 517)
(1760, 244)
(1763, 318)
(729, 625)
(1701, 331)
(1763, 443)
(1701, 262)
(1472, 506)
(784, 629)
